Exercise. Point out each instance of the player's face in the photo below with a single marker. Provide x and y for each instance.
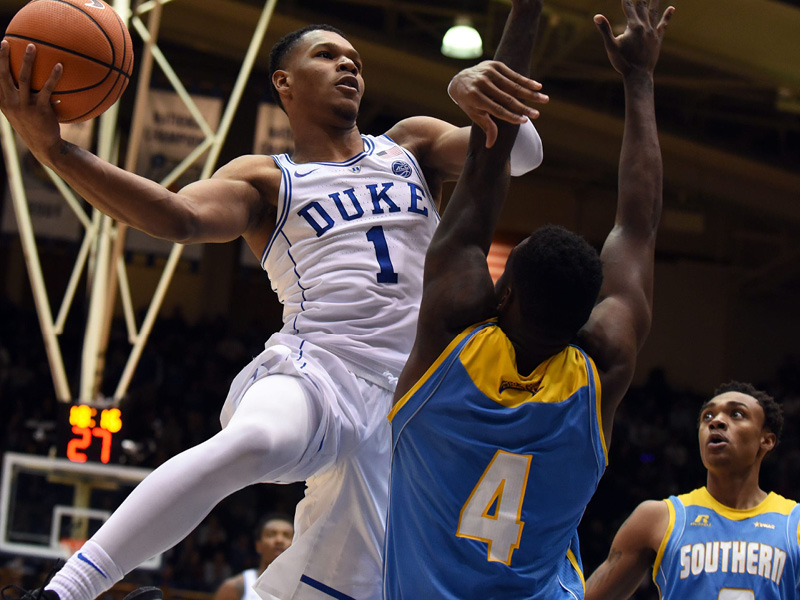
(325, 70)
(275, 538)
(732, 432)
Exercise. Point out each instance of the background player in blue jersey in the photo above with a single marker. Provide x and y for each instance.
(499, 430)
(341, 227)
(729, 540)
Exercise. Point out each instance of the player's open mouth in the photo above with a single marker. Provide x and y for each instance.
(716, 440)
(348, 82)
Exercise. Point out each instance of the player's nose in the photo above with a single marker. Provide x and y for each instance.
(718, 422)
(347, 64)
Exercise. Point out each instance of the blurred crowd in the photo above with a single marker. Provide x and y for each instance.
(182, 380)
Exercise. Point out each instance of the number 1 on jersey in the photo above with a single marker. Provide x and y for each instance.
(492, 512)
(378, 239)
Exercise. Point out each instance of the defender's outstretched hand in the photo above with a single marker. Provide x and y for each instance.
(637, 48)
(491, 89)
(30, 113)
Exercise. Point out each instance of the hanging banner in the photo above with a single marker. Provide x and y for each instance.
(51, 216)
(273, 135)
(170, 133)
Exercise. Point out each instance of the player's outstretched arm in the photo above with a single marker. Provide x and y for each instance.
(621, 320)
(488, 91)
(457, 288)
(632, 554)
(218, 209)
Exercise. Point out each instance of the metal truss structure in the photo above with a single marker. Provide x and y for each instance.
(100, 256)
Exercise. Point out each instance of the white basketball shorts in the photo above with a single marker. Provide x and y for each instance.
(339, 525)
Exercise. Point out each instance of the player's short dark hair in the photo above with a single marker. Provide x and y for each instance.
(284, 46)
(273, 516)
(773, 413)
(558, 275)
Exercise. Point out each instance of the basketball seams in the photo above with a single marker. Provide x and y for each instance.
(126, 39)
(116, 85)
(97, 23)
(70, 51)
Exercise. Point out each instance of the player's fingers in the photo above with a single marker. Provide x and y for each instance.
(662, 25)
(6, 82)
(489, 128)
(25, 74)
(604, 27)
(488, 98)
(653, 12)
(523, 90)
(516, 78)
(516, 96)
(629, 9)
(509, 109)
(642, 11)
(43, 97)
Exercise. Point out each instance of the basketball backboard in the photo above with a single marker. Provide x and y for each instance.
(50, 506)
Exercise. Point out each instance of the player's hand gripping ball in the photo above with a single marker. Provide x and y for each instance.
(89, 39)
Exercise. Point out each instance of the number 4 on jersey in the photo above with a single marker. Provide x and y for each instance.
(492, 511)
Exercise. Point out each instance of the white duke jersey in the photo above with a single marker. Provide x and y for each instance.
(347, 254)
(249, 576)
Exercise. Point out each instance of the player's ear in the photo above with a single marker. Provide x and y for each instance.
(505, 297)
(281, 81)
(768, 440)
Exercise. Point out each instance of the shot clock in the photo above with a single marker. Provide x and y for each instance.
(87, 433)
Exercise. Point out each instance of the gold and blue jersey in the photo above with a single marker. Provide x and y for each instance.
(491, 473)
(712, 551)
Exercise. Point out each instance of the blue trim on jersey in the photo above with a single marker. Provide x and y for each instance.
(597, 441)
(302, 289)
(284, 214)
(318, 585)
(370, 147)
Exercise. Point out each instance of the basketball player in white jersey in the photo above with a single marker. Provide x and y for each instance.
(341, 227)
(272, 536)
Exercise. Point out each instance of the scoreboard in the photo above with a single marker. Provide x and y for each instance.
(87, 433)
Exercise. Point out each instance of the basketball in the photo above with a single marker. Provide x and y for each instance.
(89, 39)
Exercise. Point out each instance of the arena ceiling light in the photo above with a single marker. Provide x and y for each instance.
(462, 40)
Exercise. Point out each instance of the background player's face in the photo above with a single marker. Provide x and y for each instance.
(732, 432)
(325, 71)
(276, 536)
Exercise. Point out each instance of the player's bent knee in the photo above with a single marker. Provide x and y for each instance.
(273, 425)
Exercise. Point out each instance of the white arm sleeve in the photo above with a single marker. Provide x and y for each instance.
(527, 153)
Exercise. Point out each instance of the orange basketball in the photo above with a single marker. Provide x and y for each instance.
(91, 42)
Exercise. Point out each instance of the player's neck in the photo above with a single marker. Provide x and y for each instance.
(532, 347)
(531, 353)
(326, 144)
(736, 490)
